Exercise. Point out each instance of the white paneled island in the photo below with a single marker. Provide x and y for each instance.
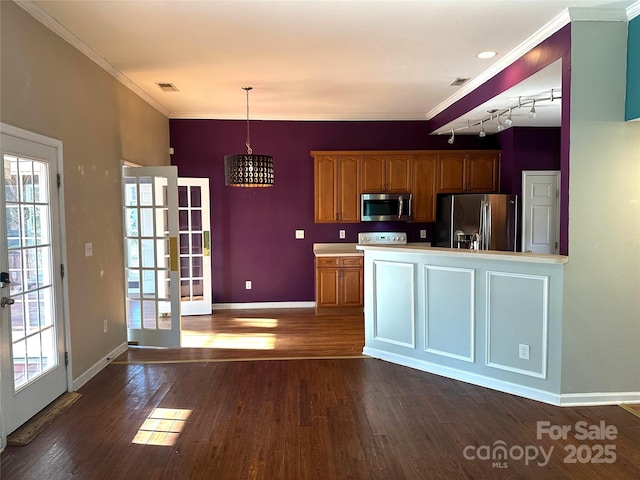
(485, 317)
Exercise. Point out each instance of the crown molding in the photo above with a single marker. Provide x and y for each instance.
(300, 117)
(633, 11)
(54, 25)
(541, 34)
(585, 14)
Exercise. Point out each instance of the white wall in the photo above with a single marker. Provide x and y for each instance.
(601, 332)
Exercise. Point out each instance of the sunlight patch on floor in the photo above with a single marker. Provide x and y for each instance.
(257, 322)
(235, 341)
(162, 427)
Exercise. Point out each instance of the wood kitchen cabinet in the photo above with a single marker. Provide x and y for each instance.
(386, 173)
(424, 187)
(336, 185)
(460, 172)
(340, 283)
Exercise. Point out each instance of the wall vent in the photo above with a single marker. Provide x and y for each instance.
(167, 87)
(458, 82)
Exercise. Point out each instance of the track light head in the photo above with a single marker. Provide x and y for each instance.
(482, 133)
(452, 138)
(508, 122)
(532, 112)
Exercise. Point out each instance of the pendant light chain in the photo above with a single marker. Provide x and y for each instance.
(248, 144)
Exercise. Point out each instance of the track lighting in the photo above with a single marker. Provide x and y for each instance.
(453, 137)
(501, 124)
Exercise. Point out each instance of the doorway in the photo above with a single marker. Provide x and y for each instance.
(32, 327)
(540, 211)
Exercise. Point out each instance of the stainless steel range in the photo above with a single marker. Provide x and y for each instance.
(382, 238)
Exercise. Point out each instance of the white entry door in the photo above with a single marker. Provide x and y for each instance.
(195, 244)
(151, 255)
(540, 211)
(32, 360)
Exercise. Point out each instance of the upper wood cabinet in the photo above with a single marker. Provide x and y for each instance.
(468, 172)
(424, 187)
(341, 176)
(386, 173)
(337, 195)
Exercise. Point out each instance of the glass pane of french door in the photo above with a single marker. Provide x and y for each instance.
(33, 371)
(151, 255)
(195, 259)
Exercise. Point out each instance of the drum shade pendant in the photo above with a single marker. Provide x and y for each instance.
(248, 170)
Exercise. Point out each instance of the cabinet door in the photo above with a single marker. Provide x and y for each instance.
(349, 188)
(398, 173)
(451, 172)
(327, 287)
(372, 174)
(424, 188)
(325, 187)
(352, 287)
(483, 172)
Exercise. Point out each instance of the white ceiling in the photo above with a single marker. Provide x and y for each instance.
(314, 59)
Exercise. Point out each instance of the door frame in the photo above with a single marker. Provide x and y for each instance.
(64, 322)
(533, 173)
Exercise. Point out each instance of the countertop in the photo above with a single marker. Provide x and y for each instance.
(479, 254)
(348, 249)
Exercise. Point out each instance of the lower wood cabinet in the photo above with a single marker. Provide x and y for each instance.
(340, 283)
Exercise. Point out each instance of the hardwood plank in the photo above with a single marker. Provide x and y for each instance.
(316, 419)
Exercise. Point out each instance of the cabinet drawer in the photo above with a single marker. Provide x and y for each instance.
(327, 261)
(351, 261)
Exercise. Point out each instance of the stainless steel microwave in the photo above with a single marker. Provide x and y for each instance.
(385, 207)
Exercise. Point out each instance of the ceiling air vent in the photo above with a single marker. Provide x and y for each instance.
(167, 87)
(458, 82)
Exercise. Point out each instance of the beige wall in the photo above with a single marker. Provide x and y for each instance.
(49, 87)
(601, 333)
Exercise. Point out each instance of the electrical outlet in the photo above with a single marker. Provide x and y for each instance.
(247, 285)
(299, 233)
(423, 234)
(88, 249)
(523, 351)
(105, 326)
(342, 234)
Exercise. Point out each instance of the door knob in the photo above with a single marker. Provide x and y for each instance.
(4, 301)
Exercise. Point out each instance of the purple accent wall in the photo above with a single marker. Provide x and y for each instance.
(253, 229)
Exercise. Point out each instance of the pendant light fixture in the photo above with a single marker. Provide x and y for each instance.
(248, 170)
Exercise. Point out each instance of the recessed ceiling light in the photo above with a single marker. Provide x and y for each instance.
(487, 54)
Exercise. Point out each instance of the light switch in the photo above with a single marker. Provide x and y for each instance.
(88, 249)
(342, 234)
(299, 233)
(423, 234)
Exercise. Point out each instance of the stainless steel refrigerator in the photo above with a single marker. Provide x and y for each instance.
(481, 221)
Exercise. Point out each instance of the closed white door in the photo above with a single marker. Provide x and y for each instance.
(32, 360)
(151, 255)
(540, 211)
(195, 244)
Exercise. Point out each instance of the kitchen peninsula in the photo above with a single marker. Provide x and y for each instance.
(485, 317)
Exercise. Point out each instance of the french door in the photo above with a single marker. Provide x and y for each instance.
(151, 255)
(32, 363)
(195, 244)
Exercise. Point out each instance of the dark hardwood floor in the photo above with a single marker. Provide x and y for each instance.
(313, 418)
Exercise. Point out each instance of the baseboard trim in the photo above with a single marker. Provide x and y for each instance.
(598, 398)
(95, 369)
(255, 305)
(560, 400)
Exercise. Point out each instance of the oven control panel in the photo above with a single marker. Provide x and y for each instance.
(382, 238)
